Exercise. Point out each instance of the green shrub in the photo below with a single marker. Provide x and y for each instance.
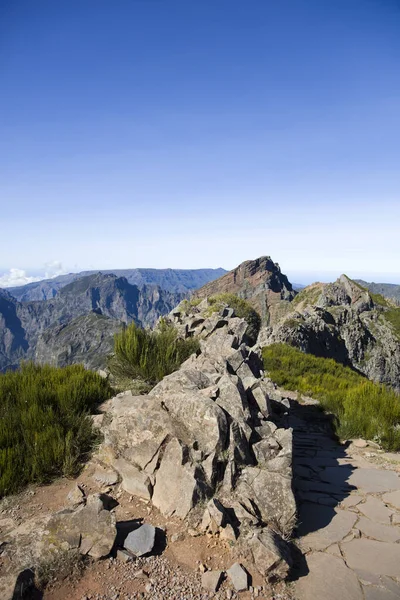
(243, 310)
(362, 408)
(44, 425)
(150, 355)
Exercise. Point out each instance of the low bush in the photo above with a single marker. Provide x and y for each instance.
(363, 408)
(45, 429)
(242, 308)
(150, 355)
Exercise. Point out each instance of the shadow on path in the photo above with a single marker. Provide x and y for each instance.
(320, 472)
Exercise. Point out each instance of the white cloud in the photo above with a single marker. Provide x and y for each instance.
(16, 277)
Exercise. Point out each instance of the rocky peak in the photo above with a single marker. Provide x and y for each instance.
(258, 281)
(343, 321)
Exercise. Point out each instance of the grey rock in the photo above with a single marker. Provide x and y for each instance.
(177, 486)
(90, 527)
(270, 554)
(76, 496)
(238, 577)
(271, 493)
(141, 540)
(210, 580)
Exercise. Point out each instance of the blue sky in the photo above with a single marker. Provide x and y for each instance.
(164, 133)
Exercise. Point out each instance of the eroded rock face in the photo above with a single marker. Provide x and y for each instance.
(207, 432)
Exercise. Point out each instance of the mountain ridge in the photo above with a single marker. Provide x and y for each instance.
(174, 280)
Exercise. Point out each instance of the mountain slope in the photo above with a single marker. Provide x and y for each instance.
(172, 280)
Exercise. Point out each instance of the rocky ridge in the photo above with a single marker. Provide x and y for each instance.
(208, 436)
(341, 320)
(205, 446)
(171, 280)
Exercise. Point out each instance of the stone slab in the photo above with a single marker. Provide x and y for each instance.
(328, 578)
(375, 510)
(370, 555)
(377, 531)
(392, 498)
(375, 480)
(322, 526)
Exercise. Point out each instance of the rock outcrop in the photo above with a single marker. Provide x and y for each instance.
(259, 281)
(342, 321)
(208, 432)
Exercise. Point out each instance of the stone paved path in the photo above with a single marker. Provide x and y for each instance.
(349, 515)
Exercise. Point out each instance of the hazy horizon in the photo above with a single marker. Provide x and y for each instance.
(200, 134)
(18, 277)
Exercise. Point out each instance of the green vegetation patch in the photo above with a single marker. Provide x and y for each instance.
(308, 296)
(150, 355)
(243, 310)
(363, 408)
(393, 316)
(45, 429)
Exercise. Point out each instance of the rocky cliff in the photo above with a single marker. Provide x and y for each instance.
(64, 329)
(342, 320)
(259, 281)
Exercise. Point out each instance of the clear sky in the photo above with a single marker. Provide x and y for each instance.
(188, 134)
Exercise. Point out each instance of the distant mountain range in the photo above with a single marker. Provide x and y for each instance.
(171, 280)
(76, 315)
(389, 290)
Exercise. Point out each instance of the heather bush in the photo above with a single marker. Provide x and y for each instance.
(363, 408)
(45, 429)
(150, 355)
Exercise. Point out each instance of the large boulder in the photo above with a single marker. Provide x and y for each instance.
(179, 484)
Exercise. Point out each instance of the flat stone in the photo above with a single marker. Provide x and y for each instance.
(141, 540)
(335, 550)
(352, 500)
(370, 555)
(377, 531)
(375, 480)
(322, 526)
(238, 577)
(328, 578)
(368, 578)
(210, 580)
(392, 498)
(374, 509)
(378, 593)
